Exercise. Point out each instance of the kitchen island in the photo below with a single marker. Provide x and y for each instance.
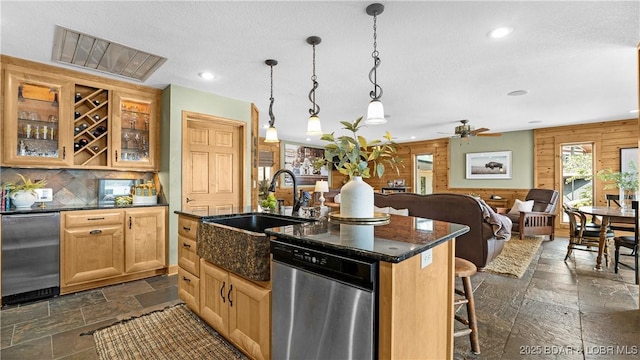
(414, 261)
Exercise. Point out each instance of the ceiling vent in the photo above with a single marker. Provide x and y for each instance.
(89, 52)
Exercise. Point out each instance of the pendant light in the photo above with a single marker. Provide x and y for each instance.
(375, 111)
(313, 125)
(272, 133)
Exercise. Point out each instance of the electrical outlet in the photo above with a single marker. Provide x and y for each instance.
(427, 258)
(44, 194)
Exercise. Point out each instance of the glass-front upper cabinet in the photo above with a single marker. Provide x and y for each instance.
(135, 131)
(36, 121)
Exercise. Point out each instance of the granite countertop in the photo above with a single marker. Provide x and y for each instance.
(400, 239)
(53, 208)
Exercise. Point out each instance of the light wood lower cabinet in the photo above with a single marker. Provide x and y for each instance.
(188, 263)
(144, 226)
(237, 308)
(102, 247)
(189, 289)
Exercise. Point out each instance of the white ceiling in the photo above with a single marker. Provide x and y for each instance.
(577, 60)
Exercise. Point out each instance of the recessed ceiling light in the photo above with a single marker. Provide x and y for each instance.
(308, 139)
(535, 121)
(518, 93)
(412, 137)
(634, 111)
(500, 32)
(206, 75)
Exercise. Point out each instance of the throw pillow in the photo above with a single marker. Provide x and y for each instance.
(336, 199)
(384, 210)
(404, 212)
(520, 205)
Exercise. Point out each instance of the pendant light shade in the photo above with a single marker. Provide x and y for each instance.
(314, 127)
(375, 111)
(272, 133)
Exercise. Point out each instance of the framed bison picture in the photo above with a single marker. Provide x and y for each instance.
(489, 165)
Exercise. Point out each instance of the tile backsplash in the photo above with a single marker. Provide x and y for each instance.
(71, 187)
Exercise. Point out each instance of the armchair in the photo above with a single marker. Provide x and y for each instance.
(541, 220)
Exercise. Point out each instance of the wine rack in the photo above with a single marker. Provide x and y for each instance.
(91, 126)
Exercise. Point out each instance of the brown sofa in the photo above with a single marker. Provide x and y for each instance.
(480, 245)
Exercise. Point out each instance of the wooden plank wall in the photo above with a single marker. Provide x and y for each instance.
(608, 138)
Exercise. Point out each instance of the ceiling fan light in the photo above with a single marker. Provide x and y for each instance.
(272, 135)
(375, 113)
(313, 126)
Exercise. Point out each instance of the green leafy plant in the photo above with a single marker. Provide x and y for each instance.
(355, 153)
(627, 180)
(26, 185)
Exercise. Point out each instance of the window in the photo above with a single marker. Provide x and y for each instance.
(577, 174)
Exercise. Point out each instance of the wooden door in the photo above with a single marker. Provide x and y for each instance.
(250, 317)
(212, 164)
(145, 239)
(214, 292)
(91, 253)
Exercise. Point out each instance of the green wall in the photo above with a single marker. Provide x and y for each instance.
(175, 99)
(520, 143)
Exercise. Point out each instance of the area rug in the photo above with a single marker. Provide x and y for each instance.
(172, 333)
(515, 257)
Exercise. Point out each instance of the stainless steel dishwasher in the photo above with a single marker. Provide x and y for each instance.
(323, 305)
(30, 257)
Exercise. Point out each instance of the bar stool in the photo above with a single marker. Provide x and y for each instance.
(464, 270)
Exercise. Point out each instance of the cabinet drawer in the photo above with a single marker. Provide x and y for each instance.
(189, 289)
(188, 258)
(187, 227)
(92, 218)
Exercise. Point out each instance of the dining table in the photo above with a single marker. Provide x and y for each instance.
(608, 214)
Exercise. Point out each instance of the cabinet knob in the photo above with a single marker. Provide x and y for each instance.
(186, 228)
(186, 245)
(229, 294)
(95, 232)
(189, 200)
(184, 278)
(222, 291)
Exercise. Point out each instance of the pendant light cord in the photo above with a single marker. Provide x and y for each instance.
(315, 110)
(376, 94)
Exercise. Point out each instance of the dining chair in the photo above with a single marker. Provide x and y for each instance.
(629, 242)
(582, 236)
(613, 198)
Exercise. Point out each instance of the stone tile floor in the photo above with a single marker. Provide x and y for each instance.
(557, 310)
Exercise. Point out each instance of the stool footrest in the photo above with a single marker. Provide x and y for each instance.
(460, 302)
(462, 332)
(462, 320)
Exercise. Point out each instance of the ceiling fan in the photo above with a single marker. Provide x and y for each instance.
(466, 130)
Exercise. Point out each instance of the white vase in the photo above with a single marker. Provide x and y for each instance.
(356, 199)
(23, 199)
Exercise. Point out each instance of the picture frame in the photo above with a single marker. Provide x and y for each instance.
(627, 155)
(300, 159)
(489, 165)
